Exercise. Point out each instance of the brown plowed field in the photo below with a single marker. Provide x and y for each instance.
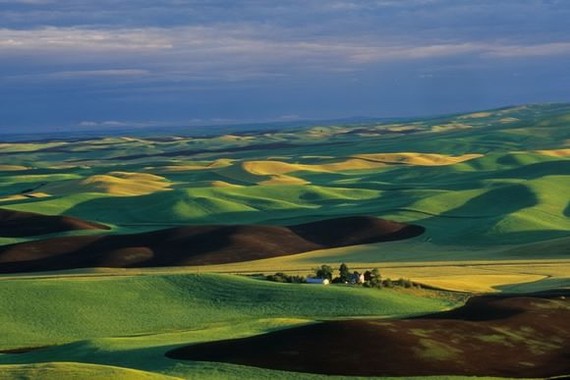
(22, 224)
(489, 336)
(198, 245)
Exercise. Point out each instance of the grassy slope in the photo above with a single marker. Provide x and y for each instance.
(131, 321)
(486, 207)
(503, 197)
(57, 371)
(33, 309)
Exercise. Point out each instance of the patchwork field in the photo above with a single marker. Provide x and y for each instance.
(120, 249)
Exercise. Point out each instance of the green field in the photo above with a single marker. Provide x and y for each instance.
(131, 321)
(129, 305)
(491, 191)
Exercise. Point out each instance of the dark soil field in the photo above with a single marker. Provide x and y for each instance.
(22, 224)
(518, 336)
(198, 245)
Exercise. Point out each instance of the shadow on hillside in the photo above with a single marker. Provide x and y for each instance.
(177, 207)
(470, 222)
(489, 336)
(144, 358)
(497, 202)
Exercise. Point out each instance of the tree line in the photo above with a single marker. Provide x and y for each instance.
(370, 278)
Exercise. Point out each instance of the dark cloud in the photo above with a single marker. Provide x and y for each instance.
(261, 59)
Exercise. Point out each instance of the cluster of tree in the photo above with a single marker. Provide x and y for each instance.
(370, 278)
(402, 282)
(282, 277)
(346, 277)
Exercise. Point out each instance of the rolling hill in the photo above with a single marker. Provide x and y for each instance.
(490, 336)
(489, 190)
(22, 224)
(197, 245)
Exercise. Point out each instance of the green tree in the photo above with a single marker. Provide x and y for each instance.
(344, 273)
(375, 278)
(282, 277)
(324, 271)
(406, 283)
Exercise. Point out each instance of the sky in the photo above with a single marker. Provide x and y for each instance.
(83, 64)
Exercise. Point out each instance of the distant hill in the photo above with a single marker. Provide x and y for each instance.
(253, 127)
(478, 179)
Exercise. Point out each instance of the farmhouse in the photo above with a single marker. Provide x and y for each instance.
(356, 278)
(316, 280)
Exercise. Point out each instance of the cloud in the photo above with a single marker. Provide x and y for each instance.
(82, 75)
(53, 39)
(528, 51)
(89, 124)
(115, 73)
(159, 58)
(202, 58)
(235, 45)
(238, 39)
(26, 2)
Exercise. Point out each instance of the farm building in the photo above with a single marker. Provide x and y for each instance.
(315, 280)
(356, 278)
